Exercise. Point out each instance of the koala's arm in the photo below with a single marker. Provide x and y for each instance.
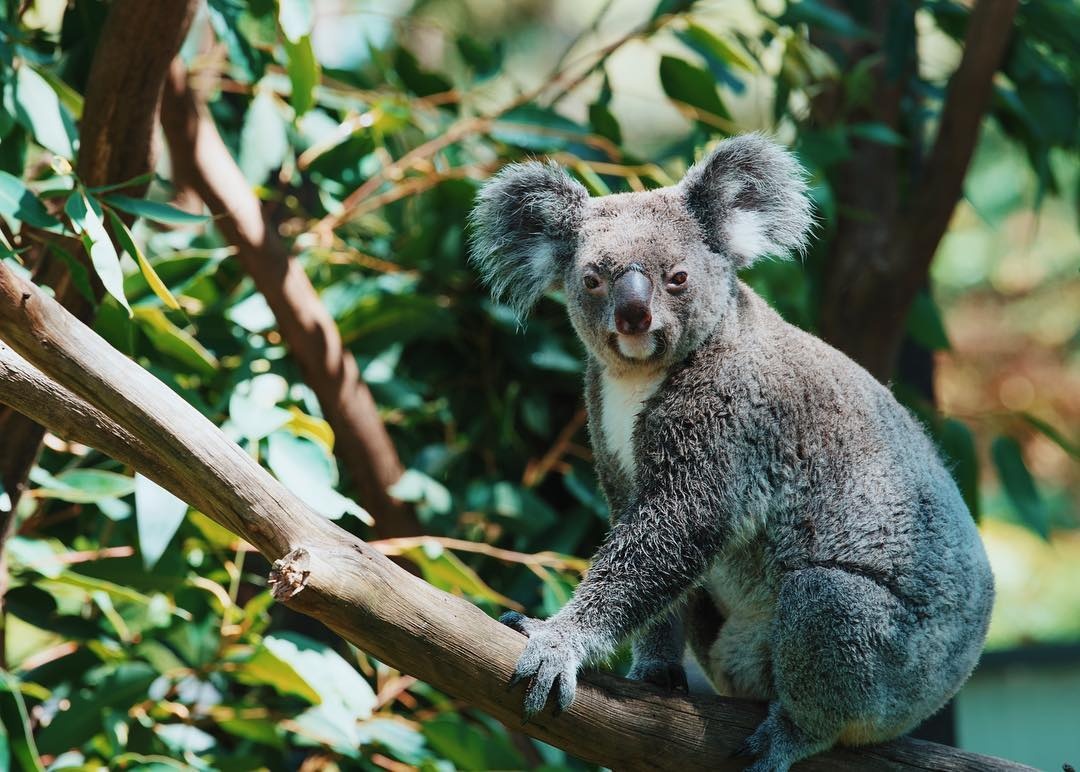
(657, 550)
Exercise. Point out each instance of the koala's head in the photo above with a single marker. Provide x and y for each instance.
(647, 276)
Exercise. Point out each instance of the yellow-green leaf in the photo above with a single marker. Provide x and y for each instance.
(127, 241)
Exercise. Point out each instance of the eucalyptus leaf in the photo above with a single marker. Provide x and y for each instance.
(153, 210)
(158, 514)
(18, 202)
(38, 108)
(86, 219)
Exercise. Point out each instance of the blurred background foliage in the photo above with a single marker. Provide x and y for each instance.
(140, 634)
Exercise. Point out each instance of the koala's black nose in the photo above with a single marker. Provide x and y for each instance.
(632, 293)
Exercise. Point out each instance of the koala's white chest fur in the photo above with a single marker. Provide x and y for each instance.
(621, 401)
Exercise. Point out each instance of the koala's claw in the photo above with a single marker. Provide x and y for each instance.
(519, 622)
(549, 663)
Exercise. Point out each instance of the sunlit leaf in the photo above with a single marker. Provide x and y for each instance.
(86, 219)
(158, 514)
(17, 202)
(38, 108)
(86, 486)
(418, 487)
(263, 139)
(127, 241)
(313, 428)
(308, 470)
(296, 18)
(344, 696)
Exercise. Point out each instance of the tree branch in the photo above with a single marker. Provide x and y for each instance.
(202, 162)
(334, 577)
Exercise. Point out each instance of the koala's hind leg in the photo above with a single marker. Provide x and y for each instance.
(841, 646)
(658, 653)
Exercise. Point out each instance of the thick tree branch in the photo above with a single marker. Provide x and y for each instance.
(883, 249)
(202, 162)
(353, 589)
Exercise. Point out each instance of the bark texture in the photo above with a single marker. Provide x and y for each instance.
(202, 162)
(323, 571)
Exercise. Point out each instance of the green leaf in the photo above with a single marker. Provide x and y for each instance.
(958, 444)
(418, 487)
(82, 719)
(467, 746)
(265, 667)
(419, 81)
(127, 241)
(38, 108)
(344, 696)
(158, 515)
(17, 202)
(303, 69)
(153, 210)
(816, 14)
(691, 85)
(925, 325)
(69, 97)
(263, 139)
(172, 341)
(604, 123)
(670, 7)
(86, 486)
(296, 18)
(253, 407)
(877, 132)
(16, 720)
(308, 470)
(86, 219)
(1019, 485)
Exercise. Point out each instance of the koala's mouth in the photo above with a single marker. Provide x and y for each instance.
(644, 347)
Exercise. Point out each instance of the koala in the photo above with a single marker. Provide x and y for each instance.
(772, 503)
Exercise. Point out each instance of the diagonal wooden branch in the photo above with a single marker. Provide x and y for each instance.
(353, 589)
(202, 162)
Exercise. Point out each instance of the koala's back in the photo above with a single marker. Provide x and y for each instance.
(833, 474)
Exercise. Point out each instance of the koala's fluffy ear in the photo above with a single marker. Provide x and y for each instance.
(749, 195)
(524, 230)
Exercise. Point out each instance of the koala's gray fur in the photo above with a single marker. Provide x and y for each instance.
(766, 491)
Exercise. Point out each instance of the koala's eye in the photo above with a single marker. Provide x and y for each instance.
(677, 281)
(592, 282)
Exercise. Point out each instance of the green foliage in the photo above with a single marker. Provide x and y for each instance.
(151, 640)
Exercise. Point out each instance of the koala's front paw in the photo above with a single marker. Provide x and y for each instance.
(550, 661)
(666, 675)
